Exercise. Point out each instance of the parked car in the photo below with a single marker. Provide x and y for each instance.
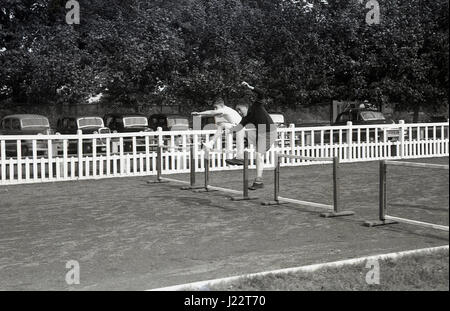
(85, 125)
(278, 119)
(363, 114)
(129, 123)
(126, 123)
(25, 124)
(367, 116)
(168, 122)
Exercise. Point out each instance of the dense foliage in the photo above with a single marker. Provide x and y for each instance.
(187, 51)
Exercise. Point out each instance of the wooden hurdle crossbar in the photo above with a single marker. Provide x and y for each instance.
(335, 209)
(384, 218)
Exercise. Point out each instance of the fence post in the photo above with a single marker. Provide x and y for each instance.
(160, 136)
(3, 160)
(292, 141)
(80, 154)
(19, 160)
(402, 138)
(50, 159)
(349, 140)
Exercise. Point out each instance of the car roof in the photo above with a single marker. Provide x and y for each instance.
(24, 116)
(80, 117)
(168, 115)
(124, 115)
(361, 109)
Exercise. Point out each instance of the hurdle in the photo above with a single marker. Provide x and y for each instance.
(208, 188)
(384, 218)
(335, 208)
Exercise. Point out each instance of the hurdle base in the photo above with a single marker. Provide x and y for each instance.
(203, 189)
(158, 181)
(337, 214)
(192, 187)
(379, 223)
(270, 203)
(243, 198)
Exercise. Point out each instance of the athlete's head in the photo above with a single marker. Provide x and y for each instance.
(219, 103)
(242, 109)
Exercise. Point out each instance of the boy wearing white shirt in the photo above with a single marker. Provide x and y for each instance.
(231, 119)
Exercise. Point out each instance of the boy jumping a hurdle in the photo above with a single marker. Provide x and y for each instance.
(263, 137)
(231, 119)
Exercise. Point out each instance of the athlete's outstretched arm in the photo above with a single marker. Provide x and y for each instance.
(208, 113)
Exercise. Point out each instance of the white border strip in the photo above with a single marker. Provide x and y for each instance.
(309, 268)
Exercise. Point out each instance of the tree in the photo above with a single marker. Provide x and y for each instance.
(188, 51)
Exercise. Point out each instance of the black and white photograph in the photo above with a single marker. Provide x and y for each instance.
(223, 150)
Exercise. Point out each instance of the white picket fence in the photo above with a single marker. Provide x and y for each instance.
(48, 158)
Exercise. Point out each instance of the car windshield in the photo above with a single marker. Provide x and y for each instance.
(277, 118)
(104, 131)
(135, 121)
(35, 122)
(177, 121)
(90, 122)
(372, 115)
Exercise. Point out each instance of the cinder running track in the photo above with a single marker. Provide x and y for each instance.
(128, 235)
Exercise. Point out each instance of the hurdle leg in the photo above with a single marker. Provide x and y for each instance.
(276, 181)
(245, 196)
(382, 200)
(336, 193)
(206, 188)
(159, 179)
(192, 165)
